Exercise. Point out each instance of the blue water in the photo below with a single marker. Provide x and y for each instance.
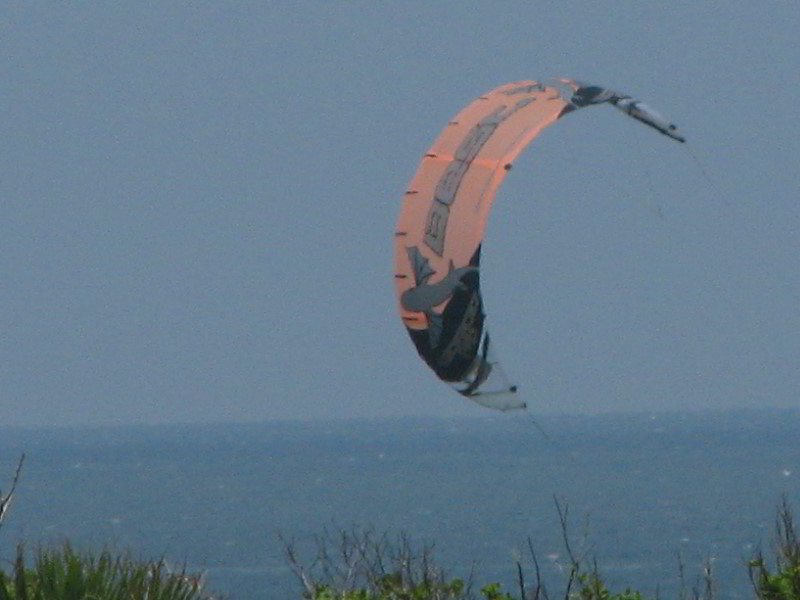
(641, 490)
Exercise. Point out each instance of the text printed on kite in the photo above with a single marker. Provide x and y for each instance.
(443, 220)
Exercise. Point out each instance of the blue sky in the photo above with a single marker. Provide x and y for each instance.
(197, 204)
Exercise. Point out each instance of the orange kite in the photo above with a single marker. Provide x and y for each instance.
(442, 223)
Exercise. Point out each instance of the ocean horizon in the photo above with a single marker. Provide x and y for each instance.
(644, 491)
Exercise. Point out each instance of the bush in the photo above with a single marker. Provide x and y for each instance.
(784, 583)
(358, 565)
(66, 574)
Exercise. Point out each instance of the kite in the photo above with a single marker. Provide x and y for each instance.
(441, 226)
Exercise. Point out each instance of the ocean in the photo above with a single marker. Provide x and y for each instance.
(644, 492)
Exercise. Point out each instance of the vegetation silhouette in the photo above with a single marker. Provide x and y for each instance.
(361, 564)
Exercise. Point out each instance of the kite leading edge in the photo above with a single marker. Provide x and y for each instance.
(446, 207)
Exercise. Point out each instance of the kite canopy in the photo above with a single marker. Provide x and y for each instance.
(446, 207)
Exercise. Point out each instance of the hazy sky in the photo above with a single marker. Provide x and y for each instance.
(197, 203)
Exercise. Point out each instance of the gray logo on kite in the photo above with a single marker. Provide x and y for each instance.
(424, 296)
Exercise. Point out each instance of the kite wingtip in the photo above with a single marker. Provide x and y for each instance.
(672, 131)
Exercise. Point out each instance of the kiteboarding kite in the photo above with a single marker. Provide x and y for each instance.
(440, 229)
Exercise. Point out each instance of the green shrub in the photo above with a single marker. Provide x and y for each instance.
(358, 565)
(784, 582)
(66, 574)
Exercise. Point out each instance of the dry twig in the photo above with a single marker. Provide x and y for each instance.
(5, 501)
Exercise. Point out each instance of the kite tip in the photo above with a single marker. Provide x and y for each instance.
(673, 133)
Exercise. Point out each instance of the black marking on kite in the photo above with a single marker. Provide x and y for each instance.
(566, 110)
(482, 374)
(400, 233)
(507, 166)
(400, 276)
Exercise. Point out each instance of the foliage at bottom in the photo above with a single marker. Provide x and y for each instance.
(66, 574)
(357, 564)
